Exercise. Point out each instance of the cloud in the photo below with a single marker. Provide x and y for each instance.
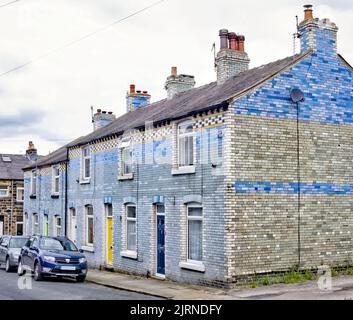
(97, 71)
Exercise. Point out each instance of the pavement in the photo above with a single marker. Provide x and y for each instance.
(341, 289)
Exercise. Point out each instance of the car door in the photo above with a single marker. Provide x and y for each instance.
(3, 248)
(25, 252)
(33, 252)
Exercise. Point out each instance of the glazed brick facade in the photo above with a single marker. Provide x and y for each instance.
(44, 203)
(292, 205)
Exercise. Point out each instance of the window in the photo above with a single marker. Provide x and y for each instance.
(89, 225)
(35, 223)
(194, 217)
(86, 163)
(20, 194)
(4, 191)
(19, 226)
(56, 180)
(58, 225)
(185, 144)
(34, 183)
(126, 160)
(109, 210)
(131, 228)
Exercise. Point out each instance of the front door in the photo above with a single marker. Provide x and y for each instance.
(109, 240)
(160, 240)
(73, 227)
(46, 225)
(1, 228)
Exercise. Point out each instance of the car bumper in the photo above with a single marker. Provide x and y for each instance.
(67, 270)
(14, 261)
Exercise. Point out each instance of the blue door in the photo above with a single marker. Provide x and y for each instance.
(160, 245)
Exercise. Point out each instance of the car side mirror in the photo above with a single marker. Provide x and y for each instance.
(34, 249)
(81, 251)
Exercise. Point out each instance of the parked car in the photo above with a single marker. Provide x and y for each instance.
(52, 256)
(10, 248)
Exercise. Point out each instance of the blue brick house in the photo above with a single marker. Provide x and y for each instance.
(247, 175)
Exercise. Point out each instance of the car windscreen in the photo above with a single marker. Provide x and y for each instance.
(57, 244)
(17, 242)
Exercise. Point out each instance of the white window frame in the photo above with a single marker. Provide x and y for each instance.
(194, 218)
(125, 146)
(56, 180)
(130, 219)
(5, 195)
(35, 223)
(84, 157)
(87, 217)
(181, 151)
(58, 226)
(17, 194)
(34, 174)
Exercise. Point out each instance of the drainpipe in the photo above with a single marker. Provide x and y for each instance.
(66, 186)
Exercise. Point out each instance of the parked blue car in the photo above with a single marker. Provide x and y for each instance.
(52, 256)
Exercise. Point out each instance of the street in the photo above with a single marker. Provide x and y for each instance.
(61, 289)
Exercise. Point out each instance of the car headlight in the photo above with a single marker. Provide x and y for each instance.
(83, 260)
(49, 259)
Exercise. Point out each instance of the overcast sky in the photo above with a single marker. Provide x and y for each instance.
(49, 100)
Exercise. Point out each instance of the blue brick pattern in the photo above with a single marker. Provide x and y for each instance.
(292, 188)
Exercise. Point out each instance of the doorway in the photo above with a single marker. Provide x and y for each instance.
(109, 233)
(73, 226)
(160, 245)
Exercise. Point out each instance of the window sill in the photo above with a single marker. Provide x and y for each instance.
(32, 196)
(184, 170)
(129, 254)
(88, 248)
(200, 267)
(128, 176)
(55, 196)
(87, 181)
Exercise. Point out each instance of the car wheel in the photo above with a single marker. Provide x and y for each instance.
(20, 270)
(37, 273)
(81, 278)
(8, 267)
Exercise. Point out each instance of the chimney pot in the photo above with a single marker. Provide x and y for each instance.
(308, 12)
(232, 41)
(174, 71)
(240, 41)
(145, 92)
(223, 34)
(138, 91)
(104, 112)
(110, 112)
(132, 88)
(99, 110)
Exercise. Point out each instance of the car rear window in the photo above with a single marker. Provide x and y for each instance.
(17, 242)
(57, 244)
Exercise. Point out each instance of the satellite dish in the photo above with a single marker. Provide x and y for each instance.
(296, 95)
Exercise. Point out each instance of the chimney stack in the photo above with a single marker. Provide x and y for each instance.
(31, 152)
(177, 83)
(319, 35)
(231, 58)
(136, 99)
(102, 118)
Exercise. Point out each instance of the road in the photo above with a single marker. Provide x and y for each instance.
(60, 289)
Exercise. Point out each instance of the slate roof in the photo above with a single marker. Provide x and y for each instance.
(12, 170)
(183, 104)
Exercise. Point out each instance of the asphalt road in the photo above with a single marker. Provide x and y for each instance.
(59, 289)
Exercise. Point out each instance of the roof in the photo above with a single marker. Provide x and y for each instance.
(183, 104)
(12, 170)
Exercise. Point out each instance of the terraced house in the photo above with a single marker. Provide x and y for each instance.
(249, 174)
(12, 191)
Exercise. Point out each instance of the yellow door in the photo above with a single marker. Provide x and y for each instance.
(110, 240)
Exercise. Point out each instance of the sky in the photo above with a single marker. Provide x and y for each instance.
(49, 100)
